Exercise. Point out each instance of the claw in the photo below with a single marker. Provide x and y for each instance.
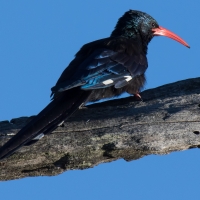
(137, 97)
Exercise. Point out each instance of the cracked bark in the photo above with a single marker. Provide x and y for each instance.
(167, 120)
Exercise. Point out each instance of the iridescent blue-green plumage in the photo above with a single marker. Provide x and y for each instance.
(100, 69)
(137, 25)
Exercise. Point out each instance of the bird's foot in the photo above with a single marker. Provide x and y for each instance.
(137, 97)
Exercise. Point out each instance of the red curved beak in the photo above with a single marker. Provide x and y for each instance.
(160, 31)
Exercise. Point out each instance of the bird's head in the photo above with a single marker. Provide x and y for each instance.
(137, 24)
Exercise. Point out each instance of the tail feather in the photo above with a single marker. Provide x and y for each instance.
(51, 127)
(46, 121)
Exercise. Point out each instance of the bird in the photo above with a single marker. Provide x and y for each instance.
(101, 69)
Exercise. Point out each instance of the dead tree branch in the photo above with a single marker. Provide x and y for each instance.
(167, 120)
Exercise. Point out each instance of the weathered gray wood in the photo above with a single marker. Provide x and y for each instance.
(167, 120)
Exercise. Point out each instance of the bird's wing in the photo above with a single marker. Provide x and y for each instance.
(99, 64)
(105, 68)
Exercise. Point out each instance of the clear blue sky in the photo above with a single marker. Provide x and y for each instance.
(37, 41)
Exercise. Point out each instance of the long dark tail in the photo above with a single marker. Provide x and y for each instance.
(47, 120)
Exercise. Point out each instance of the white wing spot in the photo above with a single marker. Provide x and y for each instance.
(128, 78)
(109, 81)
(38, 137)
(61, 123)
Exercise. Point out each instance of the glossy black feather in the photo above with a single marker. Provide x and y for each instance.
(105, 60)
(103, 68)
